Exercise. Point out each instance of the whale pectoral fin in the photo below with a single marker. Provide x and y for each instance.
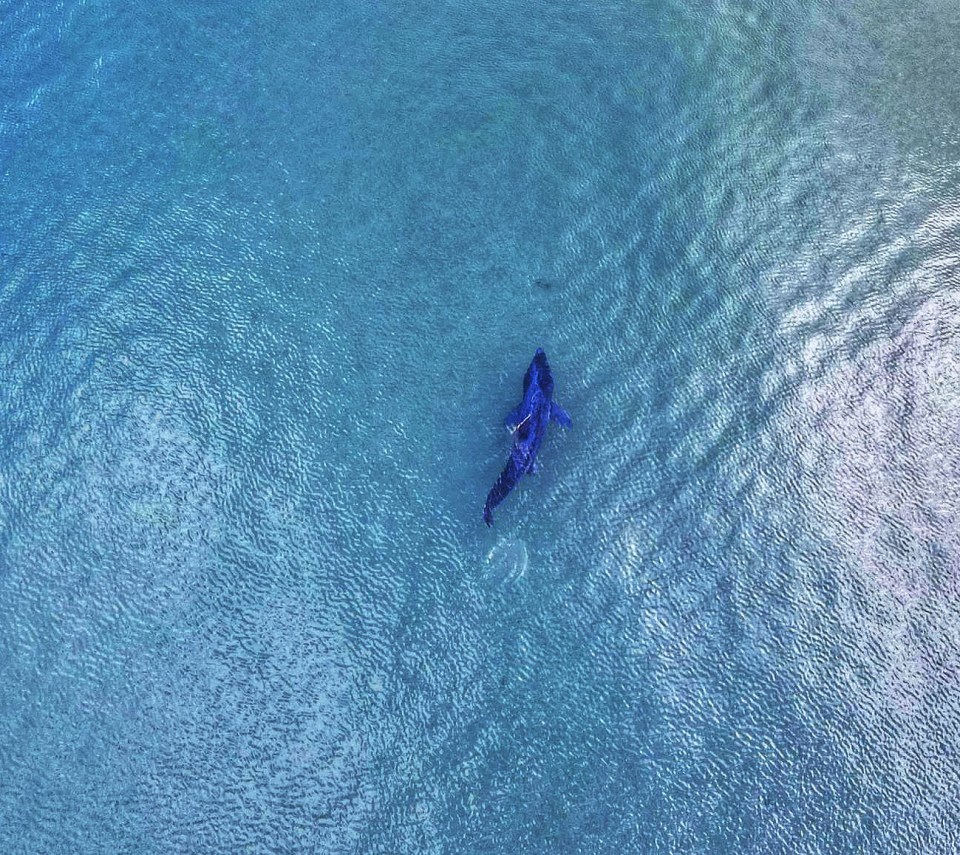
(513, 418)
(559, 415)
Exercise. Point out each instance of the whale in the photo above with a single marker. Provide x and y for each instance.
(527, 423)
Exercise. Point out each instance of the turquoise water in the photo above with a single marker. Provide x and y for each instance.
(270, 275)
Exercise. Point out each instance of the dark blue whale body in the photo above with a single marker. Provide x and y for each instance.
(528, 422)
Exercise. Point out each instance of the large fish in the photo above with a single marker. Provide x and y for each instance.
(528, 422)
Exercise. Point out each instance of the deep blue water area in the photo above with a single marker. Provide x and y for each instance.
(270, 276)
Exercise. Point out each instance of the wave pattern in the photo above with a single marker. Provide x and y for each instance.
(269, 279)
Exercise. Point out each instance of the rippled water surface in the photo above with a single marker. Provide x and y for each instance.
(270, 275)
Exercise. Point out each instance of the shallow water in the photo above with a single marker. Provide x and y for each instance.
(270, 275)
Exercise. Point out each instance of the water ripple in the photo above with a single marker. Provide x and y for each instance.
(268, 284)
